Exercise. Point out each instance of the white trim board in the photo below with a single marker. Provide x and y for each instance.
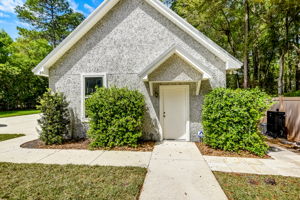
(167, 54)
(43, 67)
(187, 113)
(198, 85)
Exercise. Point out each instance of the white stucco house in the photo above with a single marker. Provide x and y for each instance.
(143, 45)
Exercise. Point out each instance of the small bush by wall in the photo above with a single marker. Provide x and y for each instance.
(55, 120)
(230, 119)
(116, 117)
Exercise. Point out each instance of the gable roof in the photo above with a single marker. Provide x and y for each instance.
(167, 54)
(43, 67)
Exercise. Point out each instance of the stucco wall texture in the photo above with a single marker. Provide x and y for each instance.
(124, 42)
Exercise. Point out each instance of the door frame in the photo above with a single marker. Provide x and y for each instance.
(187, 106)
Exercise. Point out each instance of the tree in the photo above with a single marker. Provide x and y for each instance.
(51, 22)
(51, 19)
(5, 42)
(246, 36)
(20, 88)
(262, 33)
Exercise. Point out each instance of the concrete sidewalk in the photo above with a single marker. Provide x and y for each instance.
(20, 124)
(10, 150)
(177, 170)
(283, 162)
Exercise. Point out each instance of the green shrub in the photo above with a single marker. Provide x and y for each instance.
(116, 117)
(293, 94)
(55, 120)
(230, 119)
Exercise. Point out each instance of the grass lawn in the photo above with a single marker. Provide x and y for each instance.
(38, 181)
(251, 186)
(12, 113)
(9, 136)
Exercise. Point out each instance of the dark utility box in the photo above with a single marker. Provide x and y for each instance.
(276, 124)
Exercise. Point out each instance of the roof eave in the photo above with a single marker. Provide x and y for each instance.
(174, 49)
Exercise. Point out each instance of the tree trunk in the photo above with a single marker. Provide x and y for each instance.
(298, 76)
(255, 67)
(246, 55)
(281, 71)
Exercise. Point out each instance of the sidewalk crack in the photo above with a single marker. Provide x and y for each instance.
(48, 155)
(96, 158)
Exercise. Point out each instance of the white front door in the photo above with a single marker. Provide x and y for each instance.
(174, 111)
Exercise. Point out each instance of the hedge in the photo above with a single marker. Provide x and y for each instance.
(115, 117)
(230, 119)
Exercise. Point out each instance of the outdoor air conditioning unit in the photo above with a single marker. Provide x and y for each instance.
(276, 124)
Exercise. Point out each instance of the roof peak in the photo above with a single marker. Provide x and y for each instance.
(43, 67)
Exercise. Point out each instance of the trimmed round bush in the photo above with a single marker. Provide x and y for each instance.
(116, 117)
(55, 120)
(230, 119)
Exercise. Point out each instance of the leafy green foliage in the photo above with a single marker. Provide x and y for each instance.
(5, 41)
(293, 94)
(230, 119)
(273, 31)
(53, 20)
(20, 88)
(55, 121)
(116, 116)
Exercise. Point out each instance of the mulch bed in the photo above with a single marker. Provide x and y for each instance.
(84, 144)
(206, 150)
(277, 143)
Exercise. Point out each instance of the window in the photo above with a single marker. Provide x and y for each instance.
(89, 84)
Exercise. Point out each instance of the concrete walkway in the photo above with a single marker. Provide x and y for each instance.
(10, 150)
(283, 162)
(177, 170)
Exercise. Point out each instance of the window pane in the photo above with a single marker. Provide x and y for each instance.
(91, 83)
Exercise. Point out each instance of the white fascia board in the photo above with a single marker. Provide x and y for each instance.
(43, 67)
(167, 54)
(198, 88)
(231, 62)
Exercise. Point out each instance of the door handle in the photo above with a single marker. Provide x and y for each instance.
(164, 114)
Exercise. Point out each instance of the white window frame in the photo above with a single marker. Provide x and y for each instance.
(83, 97)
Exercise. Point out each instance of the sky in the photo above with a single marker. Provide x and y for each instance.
(9, 20)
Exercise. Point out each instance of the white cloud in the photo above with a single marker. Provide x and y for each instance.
(88, 7)
(9, 5)
(73, 5)
(22, 24)
(3, 15)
